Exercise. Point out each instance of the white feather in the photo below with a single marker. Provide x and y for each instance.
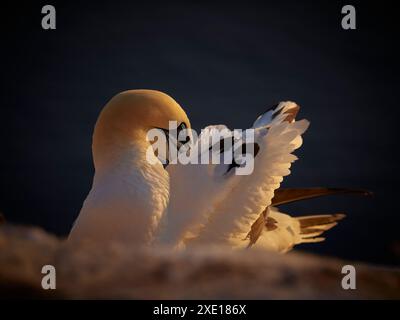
(208, 207)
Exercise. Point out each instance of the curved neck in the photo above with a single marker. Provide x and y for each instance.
(133, 188)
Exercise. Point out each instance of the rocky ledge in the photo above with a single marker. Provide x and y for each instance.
(119, 271)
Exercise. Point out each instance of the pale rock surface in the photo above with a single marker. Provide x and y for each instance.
(118, 271)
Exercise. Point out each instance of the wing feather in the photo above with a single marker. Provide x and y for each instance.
(233, 216)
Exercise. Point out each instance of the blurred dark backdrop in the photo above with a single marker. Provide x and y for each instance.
(224, 63)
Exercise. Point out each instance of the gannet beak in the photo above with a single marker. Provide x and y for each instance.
(166, 161)
(172, 139)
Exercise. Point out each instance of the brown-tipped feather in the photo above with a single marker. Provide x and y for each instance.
(319, 220)
(311, 231)
(283, 196)
(257, 228)
(292, 113)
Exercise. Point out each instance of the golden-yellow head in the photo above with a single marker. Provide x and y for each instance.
(129, 115)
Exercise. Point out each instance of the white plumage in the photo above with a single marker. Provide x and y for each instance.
(195, 204)
(226, 205)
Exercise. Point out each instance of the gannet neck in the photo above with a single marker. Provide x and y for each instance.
(119, 152)
(114, 147)
(127, 199)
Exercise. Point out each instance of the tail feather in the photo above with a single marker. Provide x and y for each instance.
(313, 240)
(317, 230)
(315, 225)
(290, 231)
(319, 220)
(289, 195)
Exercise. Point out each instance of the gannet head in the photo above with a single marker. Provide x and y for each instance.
(126, 119)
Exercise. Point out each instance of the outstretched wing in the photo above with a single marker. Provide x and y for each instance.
(289, 195)
(277, 134)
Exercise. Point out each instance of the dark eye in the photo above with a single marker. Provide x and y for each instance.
(181, 127)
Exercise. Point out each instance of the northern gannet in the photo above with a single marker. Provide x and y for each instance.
(129, 195)
(180, 205)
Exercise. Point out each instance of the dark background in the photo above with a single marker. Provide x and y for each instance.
(224, 63)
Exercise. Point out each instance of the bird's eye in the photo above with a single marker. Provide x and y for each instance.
(182, 127)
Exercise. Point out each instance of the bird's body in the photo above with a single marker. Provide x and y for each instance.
(142, 203)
